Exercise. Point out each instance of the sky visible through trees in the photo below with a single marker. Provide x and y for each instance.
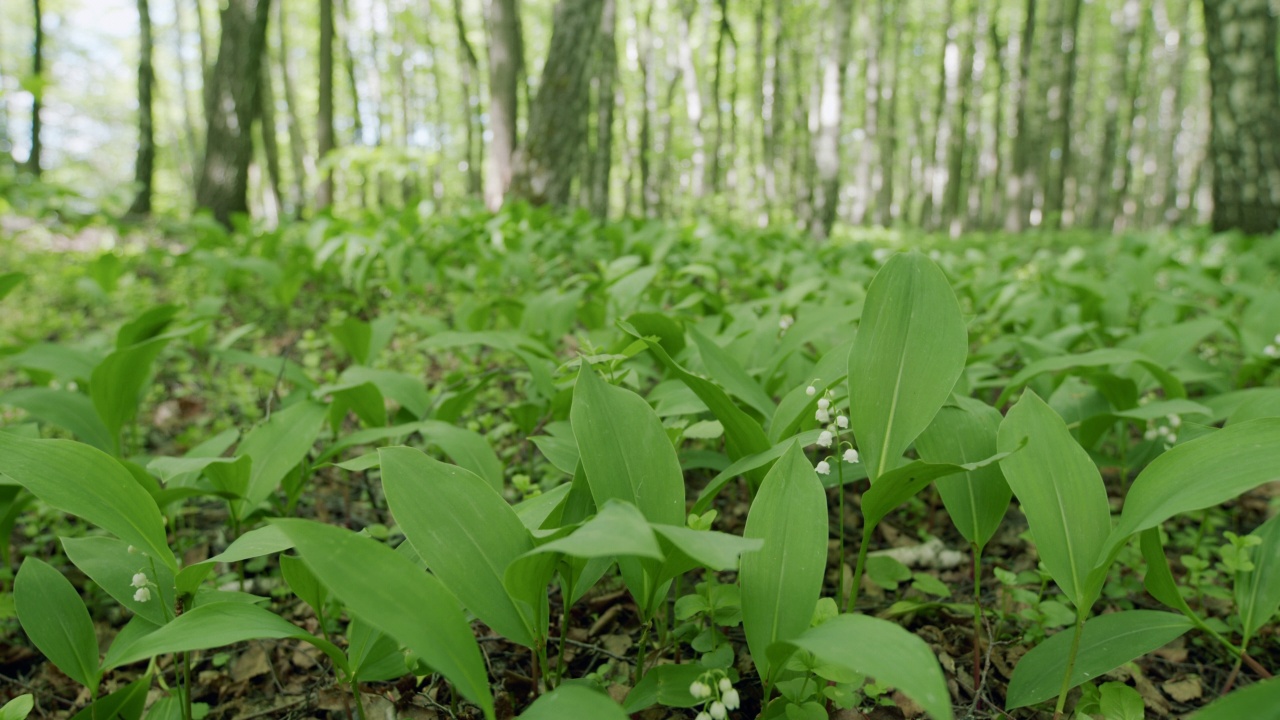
(948, 115)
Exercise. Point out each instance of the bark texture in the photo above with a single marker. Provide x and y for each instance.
(1244, 144)
(144, 168)
(503, 23)
(232, 101)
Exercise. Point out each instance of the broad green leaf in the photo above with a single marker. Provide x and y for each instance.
(467, 534)
(64, 363)
(1108, 641)
(406, 390)
(1258, 590)
(666, 685)
(1159, 580)
(108, 562)
(574, 701)
(1259, 701)
(80, 480)
(965, 433)
(146, 326)
(730, 375)
(9, 281)
(394, 595)
(878, 648)
(219, 625)
(20, 707)
(71, 411)
(909, 352)
(781, 582)
(618, 530)
(276, 446)
(747, 464)
(266, 540)
(117, 383)
(1121, 702)
(303, 582)
(686, 549)
(626, 453)
(126, 703)
(1096, 358)
(902, 483)
(373, 655)
(796, 407)
(1061, 493)
(743, 435)
(1198, 474)
(56, 620)
(468, 449)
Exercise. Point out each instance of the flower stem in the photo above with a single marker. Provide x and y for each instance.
(1071, 665)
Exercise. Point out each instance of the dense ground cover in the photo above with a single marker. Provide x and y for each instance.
(741, 422)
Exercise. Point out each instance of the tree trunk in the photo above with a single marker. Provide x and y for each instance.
(233, 98)
(872, 30)
(887, 127)
(649, 193)
(545, 166)
(191, 157)
(468, 73)
(1131, 157)
(826, 144)
(948, 86)
(1022, 179)
(324, 121)
(717, 140)
(37, 72)
(1245, 105)
(693, 104)
(952, 198)
(1062, 95)
(144, 168)
(349, 61)
(606, 72)
(503, 22)
(270, 147)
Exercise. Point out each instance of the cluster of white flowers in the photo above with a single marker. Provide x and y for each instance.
(1272, 350)
(716, 691)
(830, 435)
(143, 593)
(1167, 432)
(785, 322)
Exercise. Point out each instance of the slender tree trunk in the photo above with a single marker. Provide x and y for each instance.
(325, 135)
(1063, 95)
(202, 33)
(947, 94)
(468, 74)
(270, 145)
(193, 152)
(6, 146)
(37, 71)
(693, 104)
(1174, 103)
(1023, 178)
(649, 194)
(773, 111)
(503, 22)
(887, 128)
(1245, 105)
(545, 167)
(349, 62)
(606, 73)
(952, 208)
(993, 197)
(830, 115)
(867, 176)
(224, 177)
(1130, 146)
(1125, 20)
(725, 30)
(144, 168)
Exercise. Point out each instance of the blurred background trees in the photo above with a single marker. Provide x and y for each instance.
(949, 115)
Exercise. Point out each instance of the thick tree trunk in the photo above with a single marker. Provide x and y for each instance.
(144, 168)
(233, 99)
(826, 144)
(503, 22)
(545, 166)
(324, 121)
(37, 71)
(1245, 104)
(606, 73)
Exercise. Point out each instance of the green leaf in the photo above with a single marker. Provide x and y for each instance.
(71, 411)
(468, 449)
(903, 482)
(730, 375)
(618, 530)
(686, 549)
(626, 453)
(1095, 358)
(117, 383)
(1061, 493)
(9, 281)
(909, 351)
(276, 446)
(80, 480)
(265, 540)
(303, 582)
(56, 620)
(781, 582)
(1198, 474)
(373, 655)
(394, 595)
(879, 648)
(1260, 701)
(127, 703)
(467, 534)
(1107, 642)
(746, 465)
(666, 685)
(574, 701)
(108, 563)
(1159, 580)
(1121, 702)
(1258, 590)
(21, 706)
(219, 625)
(964, 433)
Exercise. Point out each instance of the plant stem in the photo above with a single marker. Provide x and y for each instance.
(187, 711)
(857, 569)
(840, 522)
(977, 622)
(642, 650)
(1071, 665)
